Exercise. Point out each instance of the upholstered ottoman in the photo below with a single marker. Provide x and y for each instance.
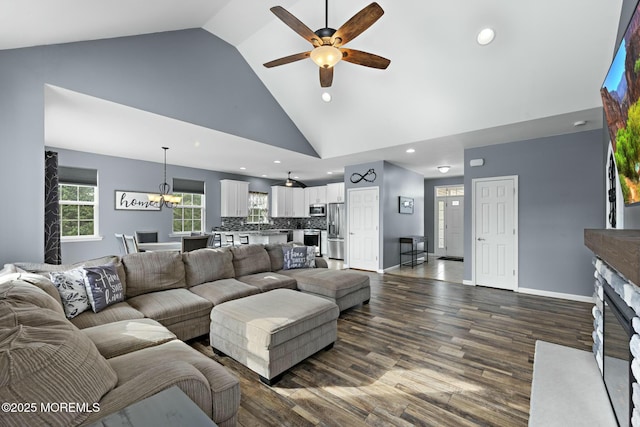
(345, 288)
(273, 331)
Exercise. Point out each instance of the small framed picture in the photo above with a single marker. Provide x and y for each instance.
(406, 205)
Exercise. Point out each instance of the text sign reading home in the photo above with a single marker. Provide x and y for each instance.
(132, 201)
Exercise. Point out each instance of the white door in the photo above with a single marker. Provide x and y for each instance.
(454, 221)
(363, 236)
(495, 261)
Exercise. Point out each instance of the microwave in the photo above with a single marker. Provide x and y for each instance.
(318, 210)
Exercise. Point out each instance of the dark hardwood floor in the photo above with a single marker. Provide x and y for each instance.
(423, 352)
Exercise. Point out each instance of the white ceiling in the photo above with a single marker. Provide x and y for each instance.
(442, 92)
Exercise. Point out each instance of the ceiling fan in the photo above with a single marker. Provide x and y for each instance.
(290, 182)
(328, 42)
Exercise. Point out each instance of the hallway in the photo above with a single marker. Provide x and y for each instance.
(437, 269)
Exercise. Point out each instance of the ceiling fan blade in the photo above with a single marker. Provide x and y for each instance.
(357, 24)
(363, 58)
(326, 76)
(296, 25)
(287, 59)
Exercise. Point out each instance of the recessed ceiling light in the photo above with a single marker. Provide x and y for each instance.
(411, 150)
(326, 96)
(329, 173)
(296, 177)
(263, 175)
(276, 161)
(580, 123)
(196, 144)
(444, 169)
(242, 168)
(486, 36)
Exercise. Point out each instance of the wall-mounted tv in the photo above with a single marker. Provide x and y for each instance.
(620, 98)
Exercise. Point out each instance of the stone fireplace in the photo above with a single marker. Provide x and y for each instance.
(616, 339)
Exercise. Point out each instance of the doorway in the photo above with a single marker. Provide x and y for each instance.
(449, 221)
(494, 223)
(363, 228)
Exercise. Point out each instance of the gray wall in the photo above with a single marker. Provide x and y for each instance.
(117, 173)
(429, 219)
(392, 182)
(189, 75)
(561, 187)
(398, 182)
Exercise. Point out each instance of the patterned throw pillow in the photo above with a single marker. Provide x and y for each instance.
(72, 291)
(298, 257)
(103, 286)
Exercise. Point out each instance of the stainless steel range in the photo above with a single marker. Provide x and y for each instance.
(311, 237)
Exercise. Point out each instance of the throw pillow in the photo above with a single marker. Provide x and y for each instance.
(103, 286)
(70, 285)
(298, 257)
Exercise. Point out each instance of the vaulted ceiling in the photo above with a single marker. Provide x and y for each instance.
(443, 92)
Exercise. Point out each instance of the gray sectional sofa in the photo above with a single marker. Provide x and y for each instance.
(133, 349)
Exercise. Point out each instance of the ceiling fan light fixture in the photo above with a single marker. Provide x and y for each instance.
(326, 56)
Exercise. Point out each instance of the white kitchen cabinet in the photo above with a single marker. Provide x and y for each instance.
(335, 192)
(316, 195)
(287, 202)
(234, 198)
(299, 209)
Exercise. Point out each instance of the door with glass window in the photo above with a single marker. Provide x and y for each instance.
(449, 220)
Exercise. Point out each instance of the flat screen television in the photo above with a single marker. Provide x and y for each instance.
(620, 98)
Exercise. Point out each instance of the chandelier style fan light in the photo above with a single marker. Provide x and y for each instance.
(165, 197)
(328, 42)
(290, 182)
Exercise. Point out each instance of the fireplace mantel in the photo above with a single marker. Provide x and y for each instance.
(618, 248)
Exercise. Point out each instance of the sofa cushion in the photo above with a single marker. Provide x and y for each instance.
(330, 283)
(269, 281)
(207, 265)
(20, 291)
(113, 313)
(103, 286)
(118, 338)
(274, 250)
(73, 294)
(210, 385)
(44, 269)
(44, 358)
(298, 257)
(250, 259)
(224, 290)
(153, 271)
(171, 306)
(36, 280)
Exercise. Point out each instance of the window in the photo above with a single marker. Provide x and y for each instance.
(258, 208)
(78, 199)
(189, 214)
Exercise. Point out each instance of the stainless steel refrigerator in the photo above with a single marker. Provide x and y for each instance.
(336, 224)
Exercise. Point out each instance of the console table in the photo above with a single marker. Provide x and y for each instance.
(410, 247)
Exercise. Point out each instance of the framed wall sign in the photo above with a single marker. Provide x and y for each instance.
(134, 201)
(406, 205)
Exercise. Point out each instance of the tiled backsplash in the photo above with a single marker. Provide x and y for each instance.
(240, 223)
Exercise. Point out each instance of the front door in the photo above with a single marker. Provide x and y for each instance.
(495, 232)
(454, 221)
(363, 236)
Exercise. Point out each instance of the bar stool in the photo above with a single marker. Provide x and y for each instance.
(244, 239)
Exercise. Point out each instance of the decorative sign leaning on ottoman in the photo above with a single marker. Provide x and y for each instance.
(273, 331)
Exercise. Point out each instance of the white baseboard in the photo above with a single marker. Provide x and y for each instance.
(468, 283)
(571, 297)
